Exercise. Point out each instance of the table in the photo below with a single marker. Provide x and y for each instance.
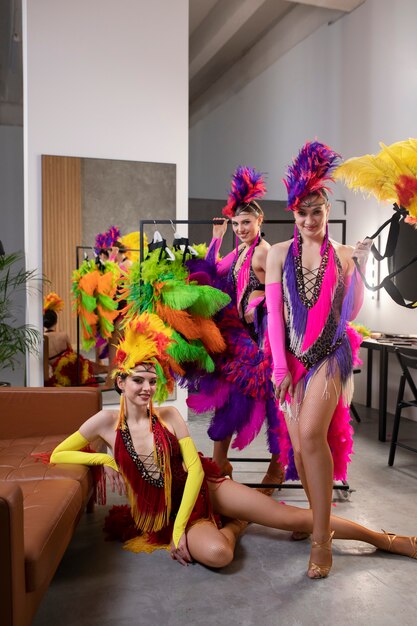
(384, 347)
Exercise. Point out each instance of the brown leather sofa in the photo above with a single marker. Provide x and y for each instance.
(40, 504)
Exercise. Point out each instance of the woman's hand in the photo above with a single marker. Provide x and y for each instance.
(219, 227)
(361, 251)
(116, 481)
(180, 553)
(285, 386)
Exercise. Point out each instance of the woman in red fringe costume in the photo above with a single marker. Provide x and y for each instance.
(196, 509)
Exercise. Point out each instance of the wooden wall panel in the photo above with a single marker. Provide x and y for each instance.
(61, 230)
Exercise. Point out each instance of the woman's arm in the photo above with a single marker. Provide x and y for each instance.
(353, 279)
(70, 450)
(219, 230)
(195, 476)
(276, 326)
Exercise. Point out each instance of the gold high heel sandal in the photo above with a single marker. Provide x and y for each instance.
(392, 537)
(278, 479)
(320, 571)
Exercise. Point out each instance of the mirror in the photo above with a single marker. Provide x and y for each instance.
(82, 197)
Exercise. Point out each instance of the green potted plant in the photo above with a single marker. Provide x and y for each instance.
(15, 338)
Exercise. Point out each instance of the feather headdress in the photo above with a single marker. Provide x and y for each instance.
(146, 339)
(247, 185)
(390, 175)
(53, 302)
(310, 172)
(107, 239)
(131, 242)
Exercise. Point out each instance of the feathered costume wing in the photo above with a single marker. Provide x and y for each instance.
(93, 294)
(389, 176)
(164, 288)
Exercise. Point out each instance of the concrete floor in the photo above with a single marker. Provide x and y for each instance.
(99, 584)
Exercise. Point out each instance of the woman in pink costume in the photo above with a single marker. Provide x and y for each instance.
(240, 391)
(312, 291)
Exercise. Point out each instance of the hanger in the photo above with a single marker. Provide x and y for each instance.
(182, 243)
(159, 242)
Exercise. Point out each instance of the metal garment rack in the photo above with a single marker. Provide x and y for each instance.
(343, 487)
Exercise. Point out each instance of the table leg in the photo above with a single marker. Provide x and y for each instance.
(383, 392)
(369, 364)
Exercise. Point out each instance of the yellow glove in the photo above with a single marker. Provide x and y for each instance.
(69, 451)
(192, 486)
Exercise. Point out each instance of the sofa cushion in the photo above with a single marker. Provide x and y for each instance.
(18, 463)
(33, 411)
(51, 510)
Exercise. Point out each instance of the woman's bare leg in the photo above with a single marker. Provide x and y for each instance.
(220, 450)
(274, 474)
(237, 501)
(314, 418)
(212, 546)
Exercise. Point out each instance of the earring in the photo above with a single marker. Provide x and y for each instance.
(325, 240)
(295, 246)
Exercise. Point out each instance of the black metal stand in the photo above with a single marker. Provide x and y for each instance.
(343, 486)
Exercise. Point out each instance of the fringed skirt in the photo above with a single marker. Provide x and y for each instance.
(340, 430)
(120, 526)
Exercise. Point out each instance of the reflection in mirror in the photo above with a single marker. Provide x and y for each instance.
(82, 197)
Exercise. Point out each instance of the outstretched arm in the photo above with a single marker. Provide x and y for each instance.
(361, 253)
(219, 230)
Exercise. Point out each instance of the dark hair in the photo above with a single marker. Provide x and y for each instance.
(104, 251)
(250, 207)
(116, 386)
(50, 318)
(118, 244)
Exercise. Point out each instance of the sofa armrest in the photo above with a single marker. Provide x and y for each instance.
(34, 411)
(12, 561)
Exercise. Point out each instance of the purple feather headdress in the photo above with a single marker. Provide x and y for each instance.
(309, 172)
(107, 239)
(247, 185)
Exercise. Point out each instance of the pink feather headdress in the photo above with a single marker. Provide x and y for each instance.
(309, 172)
(247, 185)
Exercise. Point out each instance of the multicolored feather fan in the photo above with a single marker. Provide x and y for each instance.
(389, 176)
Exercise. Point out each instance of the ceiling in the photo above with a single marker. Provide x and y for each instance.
(225, 36)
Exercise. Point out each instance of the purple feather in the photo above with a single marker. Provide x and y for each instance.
(309, 172)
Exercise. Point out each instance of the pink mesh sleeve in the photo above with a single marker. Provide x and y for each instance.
(276, 330)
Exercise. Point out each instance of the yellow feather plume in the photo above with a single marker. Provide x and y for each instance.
(132, 240)
(145, 339)
(390, 175)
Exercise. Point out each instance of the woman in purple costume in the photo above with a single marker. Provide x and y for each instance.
(240, 391)
(312, 291)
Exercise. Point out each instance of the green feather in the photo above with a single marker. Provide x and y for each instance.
(88, 302)
(209, 302)
(178, 295)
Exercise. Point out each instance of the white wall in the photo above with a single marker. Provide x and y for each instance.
(351, 85)
(11, 219)
(102, 79)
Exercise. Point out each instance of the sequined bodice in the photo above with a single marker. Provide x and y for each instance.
(308, 289)
(254, 284)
